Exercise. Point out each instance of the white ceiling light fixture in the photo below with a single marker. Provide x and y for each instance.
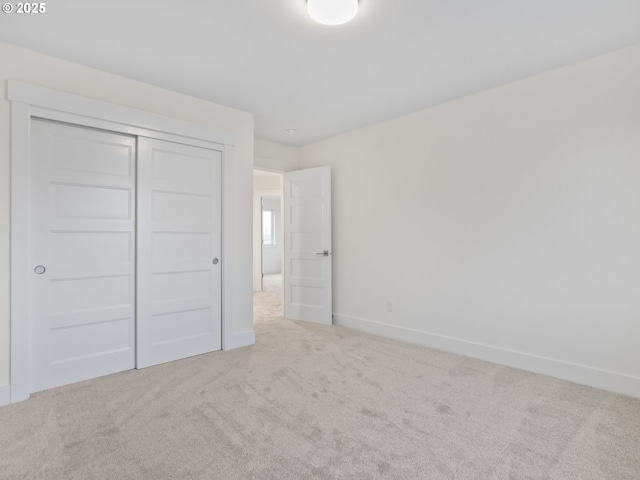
(332, 12)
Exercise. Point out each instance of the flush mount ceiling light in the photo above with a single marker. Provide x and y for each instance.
(332, 12)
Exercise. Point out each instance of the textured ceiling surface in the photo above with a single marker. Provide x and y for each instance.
(270, 59)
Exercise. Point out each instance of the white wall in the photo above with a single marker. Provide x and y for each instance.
(504, 225)
(275, 157)
(262, 182)
(272, 254)
(38, 69)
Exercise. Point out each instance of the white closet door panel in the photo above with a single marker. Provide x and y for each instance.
(179, 236)
(181, 246)
(174, 329)
(176, 286)
(81, 317)
(92, 152)
(82, 247)
(74, 201)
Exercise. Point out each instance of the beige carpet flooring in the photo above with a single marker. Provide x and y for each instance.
(321, 402)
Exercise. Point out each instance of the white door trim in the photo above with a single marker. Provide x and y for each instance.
(29, 101)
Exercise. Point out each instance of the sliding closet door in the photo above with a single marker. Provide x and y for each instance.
(82, 254)
(179, 251)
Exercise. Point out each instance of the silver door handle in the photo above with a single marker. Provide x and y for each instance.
(40, 269)
(324, 254)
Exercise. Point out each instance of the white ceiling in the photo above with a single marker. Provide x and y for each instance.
(269, 58)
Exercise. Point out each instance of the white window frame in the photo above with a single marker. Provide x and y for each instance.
(29, 101)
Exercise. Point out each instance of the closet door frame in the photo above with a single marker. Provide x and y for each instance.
(29, 101)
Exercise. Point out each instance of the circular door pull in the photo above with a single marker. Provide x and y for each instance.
(40, 269)
(215, 261)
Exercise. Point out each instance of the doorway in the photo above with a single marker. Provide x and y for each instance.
(268, 244)
(305, 289)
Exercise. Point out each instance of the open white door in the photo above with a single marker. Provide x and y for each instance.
(307, 245)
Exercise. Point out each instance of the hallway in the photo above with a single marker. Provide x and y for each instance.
(267, 304)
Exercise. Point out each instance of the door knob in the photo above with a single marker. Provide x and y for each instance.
(324, 254)
(40, 269)
(215, 261)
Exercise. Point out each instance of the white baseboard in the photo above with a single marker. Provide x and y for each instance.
(5, 395)
(239, 340)
(594, 377)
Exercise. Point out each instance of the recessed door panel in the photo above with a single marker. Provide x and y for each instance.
(170, 207)
(90, 293)
(182, 327)
(89, 151)
(167, 165)
(82, 234)
(75, 247)
(313, 241)
(181, 246)
(306, 296)
(308, 268)
(112, 335)
(78, 201)
(307, 187)
(171, 286)
(308, 214)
